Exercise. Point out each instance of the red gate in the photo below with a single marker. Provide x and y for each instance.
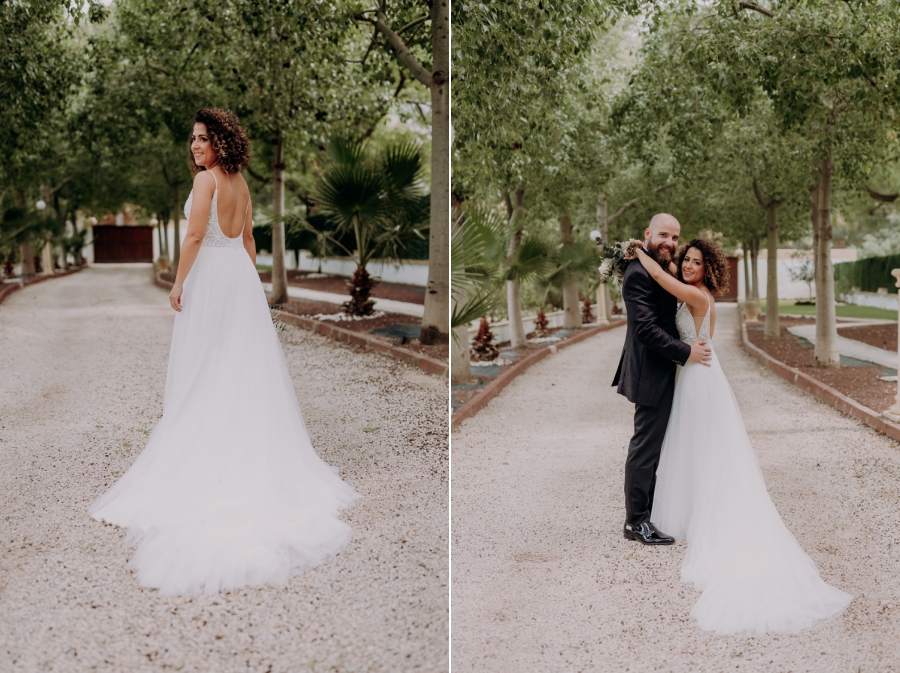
(123, 244)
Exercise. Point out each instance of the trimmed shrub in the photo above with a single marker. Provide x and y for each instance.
(867, 274)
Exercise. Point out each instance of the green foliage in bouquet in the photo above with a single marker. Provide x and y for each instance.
(616, 258)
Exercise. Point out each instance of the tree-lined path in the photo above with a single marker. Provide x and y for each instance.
(543, 580)
(84, 366)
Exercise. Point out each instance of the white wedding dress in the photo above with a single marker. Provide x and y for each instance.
(229, 491)
(754, 576)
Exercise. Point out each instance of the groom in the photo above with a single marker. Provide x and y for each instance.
(646, 374)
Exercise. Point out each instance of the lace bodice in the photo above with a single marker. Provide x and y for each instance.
(687, 329)
(214, 235)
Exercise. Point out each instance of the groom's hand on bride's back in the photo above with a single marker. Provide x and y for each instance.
(700, 353)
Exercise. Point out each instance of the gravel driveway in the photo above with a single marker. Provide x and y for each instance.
(82, 373)
(544, 581)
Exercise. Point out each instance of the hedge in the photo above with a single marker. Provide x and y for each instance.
(867, 274)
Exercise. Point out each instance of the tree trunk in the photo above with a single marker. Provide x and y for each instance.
(25, 250)
(61, 216)
(513, 293)
(436, 316)
(746, 260)
(571, 305)
(279, 272)
(162, 228)
(47, 258)
(604, 301)
(754, 268)
(773, 328)
(827, 354)
(176, 221)
(460, 358)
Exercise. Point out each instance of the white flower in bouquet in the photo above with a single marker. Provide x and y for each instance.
(614, 262)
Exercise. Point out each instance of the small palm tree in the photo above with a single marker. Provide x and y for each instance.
(480, 262)
(577, 262)
(377, 200)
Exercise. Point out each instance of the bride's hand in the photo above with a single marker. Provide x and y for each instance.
(175, 296)
(632, 248)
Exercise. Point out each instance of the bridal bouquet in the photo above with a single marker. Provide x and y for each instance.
(614, 262)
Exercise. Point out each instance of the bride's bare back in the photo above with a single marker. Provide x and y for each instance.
(232, 202)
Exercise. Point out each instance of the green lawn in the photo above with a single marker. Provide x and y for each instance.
(841, 310)
(263, 267)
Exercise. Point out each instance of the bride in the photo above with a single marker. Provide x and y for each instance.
(754, 576)
(228, 492)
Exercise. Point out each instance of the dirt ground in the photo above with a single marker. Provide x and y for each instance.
(439, 351)
(880, 336)
(859, 383)
(412, 294)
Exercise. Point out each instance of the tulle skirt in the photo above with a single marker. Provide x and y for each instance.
(229, 491)
(754, 576)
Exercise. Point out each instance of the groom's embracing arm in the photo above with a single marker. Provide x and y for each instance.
(638, 291)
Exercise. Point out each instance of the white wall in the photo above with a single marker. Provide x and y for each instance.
(788, 259)
(412, 272)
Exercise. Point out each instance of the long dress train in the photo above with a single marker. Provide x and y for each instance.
(229, 491)
(754, 576)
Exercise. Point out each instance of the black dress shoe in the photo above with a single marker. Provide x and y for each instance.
(647, 534)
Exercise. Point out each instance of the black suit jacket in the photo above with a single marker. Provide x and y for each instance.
(652, 346)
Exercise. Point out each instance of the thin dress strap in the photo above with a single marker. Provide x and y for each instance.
(215, 178)
(244, 225)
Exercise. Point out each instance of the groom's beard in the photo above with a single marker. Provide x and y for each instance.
(661, 254)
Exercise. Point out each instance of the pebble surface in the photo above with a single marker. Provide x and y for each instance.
(543, 580)
(83, 362)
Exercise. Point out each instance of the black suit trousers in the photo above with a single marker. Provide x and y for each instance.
(650, 425)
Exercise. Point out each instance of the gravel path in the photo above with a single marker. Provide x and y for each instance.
(82, 374)
(543, 580)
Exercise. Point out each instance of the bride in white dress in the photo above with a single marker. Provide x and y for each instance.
(754, 576)
(229, 491)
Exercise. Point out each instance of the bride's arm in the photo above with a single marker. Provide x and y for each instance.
(682, 291)
(249, 242)
(204, 188)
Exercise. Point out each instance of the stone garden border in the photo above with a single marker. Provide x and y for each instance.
(329, 329)
(9, 288)
(490, 391)
(817, 389)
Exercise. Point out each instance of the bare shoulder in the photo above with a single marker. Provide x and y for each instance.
(205, 181)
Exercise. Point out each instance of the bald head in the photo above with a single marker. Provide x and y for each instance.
(663, 219)
(661, 237)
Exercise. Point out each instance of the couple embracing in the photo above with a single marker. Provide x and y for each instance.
(691, 472)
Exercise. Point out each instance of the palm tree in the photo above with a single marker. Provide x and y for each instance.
(481, 267)
(377, 200)
(575, 265)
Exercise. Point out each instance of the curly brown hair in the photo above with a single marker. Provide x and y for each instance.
(715, 266)
(228, 138)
